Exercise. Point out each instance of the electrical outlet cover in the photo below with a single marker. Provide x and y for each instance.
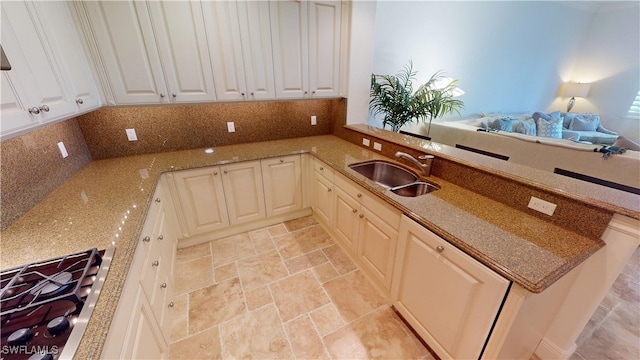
(63, 150)
(131, 134)
(542, 206)
(231, 126)
(377, 146)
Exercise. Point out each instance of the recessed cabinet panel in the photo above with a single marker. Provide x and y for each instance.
(128, 49)
(377, 246)
(243, 191)
(346, 213)
(15, 116)
(182, 42)
(323, 198)
(324, 47)
(145, 340)
(282, 184)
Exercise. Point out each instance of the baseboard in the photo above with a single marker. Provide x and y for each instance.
(549, 350)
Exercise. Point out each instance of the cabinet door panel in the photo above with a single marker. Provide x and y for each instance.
(243, 192)
(182, 43)
(145, 340)
(377, 246)
(346, 219)
(15, 116)
(201, 198)
(282, 184)
(257, 52)
(323, 198)
(324, 47)
(128, 49)
(290, 48)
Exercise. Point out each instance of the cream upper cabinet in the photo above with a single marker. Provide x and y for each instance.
(65, 43)
(200, 200)
(35, 85)
(450, 299)
(152, 52)
(243, 191)
(306, 48)
(282, 179)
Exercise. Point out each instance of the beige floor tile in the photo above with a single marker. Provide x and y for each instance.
(193, 252)
(232, 248)
(325, 272)
(353, 295)
(261, 269)
(379, 335)
(339, 259)
(277, 230)
(304, 339)
(184, 279)
(298, 294)
(255, 335)
(302, 241)
(327, 319)
(301, 223)
(204, 345)
(258, 297)
(180, 305)
(215, 304)
(225, 272)
(261, 241)
(306, 261)
(179, 327)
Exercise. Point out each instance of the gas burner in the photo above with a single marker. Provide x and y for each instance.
(53, 285)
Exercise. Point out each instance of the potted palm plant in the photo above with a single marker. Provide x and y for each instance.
(393, 97)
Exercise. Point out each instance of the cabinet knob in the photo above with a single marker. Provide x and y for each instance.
(34, 110)
(313, 92)
(306, 92)
(242, 94)
(171, 304)
(158, 200)
(79, 101)
(155, 263)
(174, 95)
(162, 95)
(252, 94)
(163, 286)
(355, 210)
(226, 172)
(361, 216)
(146, 239)
(321, 168)
(328, 190)
(281, 160)
(440, 248)
(215, 173)
(359, 195)
(160, 237)
(44, 108)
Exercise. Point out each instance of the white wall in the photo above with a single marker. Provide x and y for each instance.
(508, 56)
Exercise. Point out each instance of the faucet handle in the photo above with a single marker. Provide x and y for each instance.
(425, 157)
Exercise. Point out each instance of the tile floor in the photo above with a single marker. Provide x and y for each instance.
(288, 291)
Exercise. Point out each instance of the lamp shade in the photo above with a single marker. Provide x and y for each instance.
(576, 90)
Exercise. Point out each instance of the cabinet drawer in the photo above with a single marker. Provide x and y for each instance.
(349, 187)
(323, 169)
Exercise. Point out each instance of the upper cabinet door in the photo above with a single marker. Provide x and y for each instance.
(257, 52)
(66, 46)
(225, 49)
(325, 19)
(34, 81)
(290, 48)
(182, 41)
(127, 47)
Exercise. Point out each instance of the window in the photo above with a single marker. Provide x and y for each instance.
(634, 110)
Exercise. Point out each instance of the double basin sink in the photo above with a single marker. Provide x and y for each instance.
(393, 177)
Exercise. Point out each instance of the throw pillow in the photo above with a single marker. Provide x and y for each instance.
(504, 124)
(551, 129)
(527, 127)
(583, 122)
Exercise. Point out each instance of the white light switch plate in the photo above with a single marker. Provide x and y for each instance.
(63, 150)
(313, 120)
(131, 134)
(542, 206)
(231, 126)
(377, 146)
(365, 142)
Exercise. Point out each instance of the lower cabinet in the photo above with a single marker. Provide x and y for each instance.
(243, 191)
(323, 197)
(282, 178)
(141, 327)
(450, 299)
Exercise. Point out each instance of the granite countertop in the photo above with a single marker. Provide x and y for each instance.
(106, 202)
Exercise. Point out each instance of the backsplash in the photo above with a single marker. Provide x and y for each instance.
(177, 127)
(31, 166)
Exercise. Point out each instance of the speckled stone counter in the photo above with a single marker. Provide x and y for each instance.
(106, 202)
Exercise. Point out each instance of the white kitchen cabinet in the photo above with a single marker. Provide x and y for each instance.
(35, 88)
(323, 195)
(141, 326)
(377, 246)
(282, 177)
(450, 299)
(200, 200)
(153, 53)
(243, 191)
(306, 48)
(346, 227)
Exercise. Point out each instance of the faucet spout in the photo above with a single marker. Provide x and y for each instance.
(425, 167)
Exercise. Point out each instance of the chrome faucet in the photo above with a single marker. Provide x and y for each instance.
(426, 167)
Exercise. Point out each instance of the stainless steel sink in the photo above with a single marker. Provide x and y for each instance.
(384, 173)
(415, 189)
(399, 180)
